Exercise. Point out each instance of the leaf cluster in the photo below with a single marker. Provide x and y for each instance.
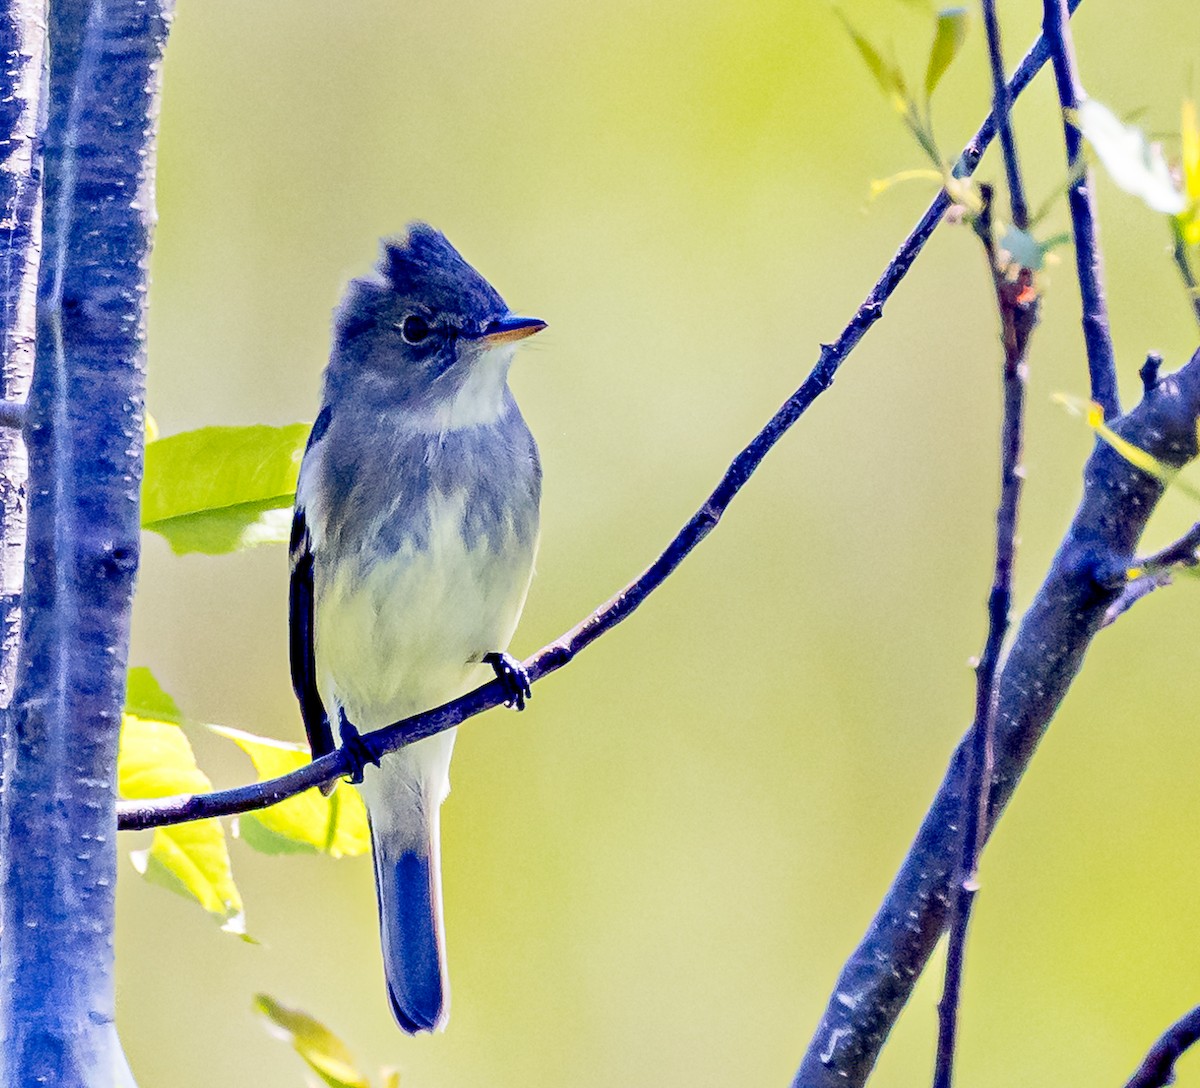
(192, 859)
(1022, 247)
(217, 490)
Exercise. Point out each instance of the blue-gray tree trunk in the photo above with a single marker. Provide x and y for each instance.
(84, 435)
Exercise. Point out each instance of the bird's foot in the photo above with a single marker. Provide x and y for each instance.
(512, 674)
(358, 754)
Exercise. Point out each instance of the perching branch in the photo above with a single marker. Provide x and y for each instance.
(1158, 1067)
(1017, 303)
(1089, 265)
(1046, 654)
(171, 810)
(58, 858)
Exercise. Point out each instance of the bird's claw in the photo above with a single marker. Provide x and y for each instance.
(513, 675)
(358, 754)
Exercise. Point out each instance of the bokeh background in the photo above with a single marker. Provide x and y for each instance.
(653, 875)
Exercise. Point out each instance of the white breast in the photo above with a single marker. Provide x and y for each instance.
(402, 633)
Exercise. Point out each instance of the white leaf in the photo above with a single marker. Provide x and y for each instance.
(1135, 164)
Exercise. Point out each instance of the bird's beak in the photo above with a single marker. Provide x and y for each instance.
(506, 330)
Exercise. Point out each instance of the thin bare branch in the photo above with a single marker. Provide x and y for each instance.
(1180, 554)
(1017, 304)
(1089, 264)
(1002, 112)
(1155, 571)
(1133, 592)
(1158, 1067)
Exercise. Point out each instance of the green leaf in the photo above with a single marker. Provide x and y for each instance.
(947, 41)
(325, 1053)
(156, 760)
(1135, 165)
(145, 698)
(221, 489)
(887, 75)
(307, 823)
(1056, 241)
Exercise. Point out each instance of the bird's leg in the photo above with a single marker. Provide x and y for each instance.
(357, 752)
(511, 673)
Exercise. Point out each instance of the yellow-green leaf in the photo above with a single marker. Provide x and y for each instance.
(1190, 130)
(192, 860)
(221, 489)
(1189, 219)
(879, 186)
(947, 41)
(887, 75)
(156, 760)
(307, 823)
(325, 1053)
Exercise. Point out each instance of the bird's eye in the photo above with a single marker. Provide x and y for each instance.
(414, 329)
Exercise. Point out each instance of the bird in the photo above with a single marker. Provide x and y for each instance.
(414, 533)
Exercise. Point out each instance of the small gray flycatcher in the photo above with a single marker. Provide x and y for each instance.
(413, 542)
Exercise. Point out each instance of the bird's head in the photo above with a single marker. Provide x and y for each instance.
(425, 333)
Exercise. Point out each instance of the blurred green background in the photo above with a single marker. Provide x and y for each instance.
(653, 875)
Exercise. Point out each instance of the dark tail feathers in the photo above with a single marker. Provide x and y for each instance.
(410, 923)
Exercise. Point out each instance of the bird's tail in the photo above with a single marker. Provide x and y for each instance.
(408, 882)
